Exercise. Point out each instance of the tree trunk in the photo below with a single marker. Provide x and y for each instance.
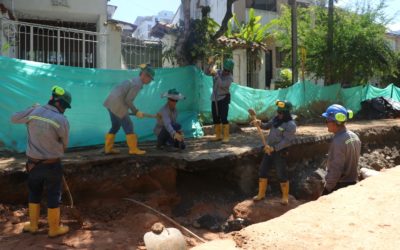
(329, 51)
(294, 40)
(227, 17)
(180, 41)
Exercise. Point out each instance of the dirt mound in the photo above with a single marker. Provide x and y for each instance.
(336, 221)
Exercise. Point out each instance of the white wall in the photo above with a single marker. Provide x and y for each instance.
(240, 69)
(66, 10)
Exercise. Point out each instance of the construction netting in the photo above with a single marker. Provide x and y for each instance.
(23, 83)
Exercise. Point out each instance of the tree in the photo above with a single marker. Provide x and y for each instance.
(360, 51)
(196, 37)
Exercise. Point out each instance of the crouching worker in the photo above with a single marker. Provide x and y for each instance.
(282, 132)
(118, 104)
(167, 129)
(48, 131)
(344, 151)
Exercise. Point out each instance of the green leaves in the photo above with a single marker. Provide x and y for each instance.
(360, 51)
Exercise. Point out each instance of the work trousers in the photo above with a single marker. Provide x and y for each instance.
(221, 115)
(49, 175)
(277, 160)
(117, 122)
(165, 138)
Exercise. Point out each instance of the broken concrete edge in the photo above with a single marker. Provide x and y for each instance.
(196, 158)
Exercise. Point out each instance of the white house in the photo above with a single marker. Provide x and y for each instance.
(72, 33)
(146, 23)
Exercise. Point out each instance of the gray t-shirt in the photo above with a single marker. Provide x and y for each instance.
(282, 136)
(48, 131)
(121, 98)
(343, 156)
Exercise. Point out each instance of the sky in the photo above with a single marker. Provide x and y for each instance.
(392, 10)
(128, 10)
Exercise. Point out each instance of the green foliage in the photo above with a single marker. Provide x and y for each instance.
(395, 76)
(251, 32)
(360, 50)
(199, 43)
(285, 78)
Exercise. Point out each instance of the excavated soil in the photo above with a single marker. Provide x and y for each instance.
(207, 202)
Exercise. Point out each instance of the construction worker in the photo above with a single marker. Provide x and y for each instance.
(344, 151)
(167, 129)
(48, 131)
(220, 99)
(118, 104)
(281, 135)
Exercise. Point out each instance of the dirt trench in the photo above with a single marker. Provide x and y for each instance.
(201, 195)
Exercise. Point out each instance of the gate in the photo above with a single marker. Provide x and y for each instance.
(48, 44)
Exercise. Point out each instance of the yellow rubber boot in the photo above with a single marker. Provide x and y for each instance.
(32, 225)
(285, 193)
(131, 140)
(53, 217)
(226, 133)
(218, 132)
(262, 188)
(109, 144)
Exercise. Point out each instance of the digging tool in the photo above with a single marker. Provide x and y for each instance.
(146, 115)
(71, 209)
(168, 218)
(253, 117)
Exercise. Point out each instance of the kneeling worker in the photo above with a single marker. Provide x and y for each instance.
(167, 129)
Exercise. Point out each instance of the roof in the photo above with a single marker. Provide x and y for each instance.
(237, 43)
(161, 29)
(5, 10)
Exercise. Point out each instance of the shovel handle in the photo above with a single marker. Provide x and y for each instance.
(146, 115)
(71, 201)
(253, 117)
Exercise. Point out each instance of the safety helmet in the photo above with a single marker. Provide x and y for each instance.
(146, 68)
(229, 64)
(60, 94)
(283, 105)
(337, 113)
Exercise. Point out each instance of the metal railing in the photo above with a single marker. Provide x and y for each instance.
(135, 52)
(48, 44)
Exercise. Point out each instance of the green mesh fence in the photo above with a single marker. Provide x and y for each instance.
(23, 83)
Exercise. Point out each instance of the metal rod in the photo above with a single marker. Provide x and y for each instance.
(167, 218)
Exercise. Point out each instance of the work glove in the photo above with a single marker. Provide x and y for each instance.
(139, 115)
(255, 122)
(178, 137)
(268, 149)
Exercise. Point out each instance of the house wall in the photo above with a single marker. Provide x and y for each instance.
(65, 10)
(93, 11)
(240, 69)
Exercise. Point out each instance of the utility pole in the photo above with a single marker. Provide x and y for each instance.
(294, 40)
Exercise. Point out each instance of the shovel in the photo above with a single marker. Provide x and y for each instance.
(71, 209)
(253, 117)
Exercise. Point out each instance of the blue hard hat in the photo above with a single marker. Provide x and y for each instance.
(337, 113)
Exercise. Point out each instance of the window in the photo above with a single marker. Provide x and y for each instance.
(268, 5)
